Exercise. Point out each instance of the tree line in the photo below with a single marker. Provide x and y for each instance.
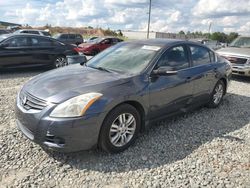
(218, 36)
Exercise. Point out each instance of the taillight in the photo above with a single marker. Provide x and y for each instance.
(76, 49)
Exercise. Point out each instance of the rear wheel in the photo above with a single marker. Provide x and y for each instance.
(95, 52)
(60, 61)
(120, 129)
(217, 94)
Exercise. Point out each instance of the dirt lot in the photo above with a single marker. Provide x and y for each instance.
(208, 147)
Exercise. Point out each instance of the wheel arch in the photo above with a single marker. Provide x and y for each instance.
(224, 80)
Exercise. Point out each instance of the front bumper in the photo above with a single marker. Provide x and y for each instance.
(60, 134)
(241, 70)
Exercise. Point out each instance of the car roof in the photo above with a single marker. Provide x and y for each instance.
(32, 30)
(165, 42)
(158, 42)
(25, 34)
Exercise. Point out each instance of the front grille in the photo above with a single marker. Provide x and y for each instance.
(28, 102)
(236, 60)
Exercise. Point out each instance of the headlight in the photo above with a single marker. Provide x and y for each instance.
(76, 106)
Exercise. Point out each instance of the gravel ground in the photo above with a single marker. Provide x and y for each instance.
(205, 148)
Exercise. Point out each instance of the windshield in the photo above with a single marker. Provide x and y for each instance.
(241, 42)
(129, 58)
(96, 40)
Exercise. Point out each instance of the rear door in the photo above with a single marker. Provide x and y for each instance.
(43, 50)
(204, 71)
(16, 52)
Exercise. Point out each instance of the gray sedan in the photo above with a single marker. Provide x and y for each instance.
(118, 93)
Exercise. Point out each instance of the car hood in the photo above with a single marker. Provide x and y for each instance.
(245, 52)
(61, 84)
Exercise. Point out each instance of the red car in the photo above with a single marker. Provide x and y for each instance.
(95, 46)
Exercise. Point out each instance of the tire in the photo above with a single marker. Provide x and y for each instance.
(60, 61)
(217, 94)
(122, 135)
(95, 52)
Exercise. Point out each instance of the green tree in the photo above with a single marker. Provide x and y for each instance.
(182, 32)
(232, 36)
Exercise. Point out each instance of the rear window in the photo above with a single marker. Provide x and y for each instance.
(45, 33)
(32, 32)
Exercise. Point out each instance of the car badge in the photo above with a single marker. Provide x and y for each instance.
(24, 100)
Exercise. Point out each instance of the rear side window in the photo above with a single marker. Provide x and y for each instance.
(212, 56)
(46, 33)
(175, 58)
(200, 55)
(41, 42)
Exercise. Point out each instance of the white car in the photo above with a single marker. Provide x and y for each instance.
(33, 31)
(238, 53)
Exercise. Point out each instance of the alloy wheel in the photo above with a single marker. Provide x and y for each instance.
(122, 129)
(218, 94)
(60, 62)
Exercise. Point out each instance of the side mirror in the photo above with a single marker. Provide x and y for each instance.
(84, 60)
(164, 71)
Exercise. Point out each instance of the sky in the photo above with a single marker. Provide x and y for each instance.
(167, 15)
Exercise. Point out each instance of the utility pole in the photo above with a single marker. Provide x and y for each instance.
(209, 28)
(149, 16)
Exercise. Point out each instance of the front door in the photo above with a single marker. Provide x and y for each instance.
(16, 52)
(168, 94)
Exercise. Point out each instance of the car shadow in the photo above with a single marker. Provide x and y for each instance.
(168, 141)
(7, 73)
(241, 78)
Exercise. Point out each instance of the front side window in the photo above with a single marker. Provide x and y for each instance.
(200, 55)
(176, 58)
(17, 42)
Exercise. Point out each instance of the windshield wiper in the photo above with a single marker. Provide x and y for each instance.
(100, 68)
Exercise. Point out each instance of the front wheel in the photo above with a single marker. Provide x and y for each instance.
(119, 129)
(217, 94)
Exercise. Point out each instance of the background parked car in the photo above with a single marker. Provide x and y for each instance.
(4, 31)
(71, 38)
(97, 45)
(238, 53)
(33, 31)
(33, 50)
